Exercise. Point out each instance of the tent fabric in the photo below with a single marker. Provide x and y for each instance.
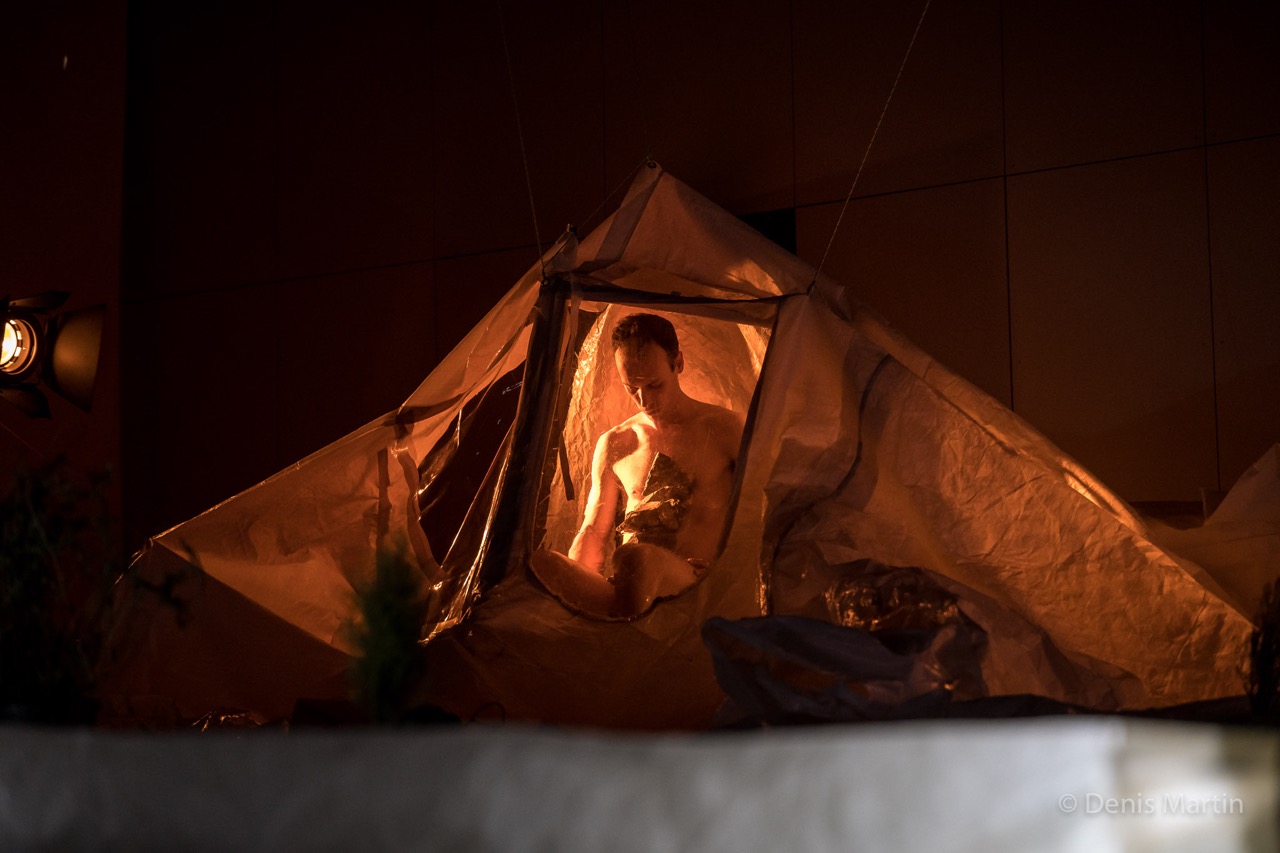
(858, 446)
(1238, 546)
(919, 468)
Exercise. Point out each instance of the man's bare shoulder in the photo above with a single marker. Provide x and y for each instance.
(619, 441)
(721, 420)
(725, 428)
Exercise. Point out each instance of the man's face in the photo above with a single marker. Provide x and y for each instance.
(649, 376)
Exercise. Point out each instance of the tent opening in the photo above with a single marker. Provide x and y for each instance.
(660, 538)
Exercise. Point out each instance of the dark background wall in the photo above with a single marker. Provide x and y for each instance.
(1073, 204)
(62, 95)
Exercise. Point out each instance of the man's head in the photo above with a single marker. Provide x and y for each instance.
(640, 329)
(647, 353)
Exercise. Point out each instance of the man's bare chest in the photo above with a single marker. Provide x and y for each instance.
(688, 449)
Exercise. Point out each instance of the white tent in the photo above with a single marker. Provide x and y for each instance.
(857, 445)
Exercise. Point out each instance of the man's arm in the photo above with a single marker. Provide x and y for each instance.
(602, 504)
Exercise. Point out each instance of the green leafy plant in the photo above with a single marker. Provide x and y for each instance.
(391, 661)
(57, 566)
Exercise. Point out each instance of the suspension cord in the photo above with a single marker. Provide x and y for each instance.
(524, 155)
(625, 182)
(871, 142)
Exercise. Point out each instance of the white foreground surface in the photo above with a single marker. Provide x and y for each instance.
(1095, 785)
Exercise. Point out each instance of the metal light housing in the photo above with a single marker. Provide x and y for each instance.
(44, 350)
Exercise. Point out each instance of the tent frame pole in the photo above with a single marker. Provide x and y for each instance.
(510, 546)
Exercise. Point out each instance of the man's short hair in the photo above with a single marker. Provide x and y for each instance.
(640, 329)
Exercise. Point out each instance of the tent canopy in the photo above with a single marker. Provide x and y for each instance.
(858, 446)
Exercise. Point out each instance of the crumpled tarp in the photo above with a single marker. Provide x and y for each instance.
(860, 447)
(780, 670)
(1238, 546)
(913, 466)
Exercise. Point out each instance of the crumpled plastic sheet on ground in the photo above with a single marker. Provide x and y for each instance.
(912, 612)
(792, 669)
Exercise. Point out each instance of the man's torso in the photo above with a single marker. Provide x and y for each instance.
(704, 447)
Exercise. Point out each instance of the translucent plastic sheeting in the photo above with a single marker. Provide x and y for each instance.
(459, 494)
(276, 566)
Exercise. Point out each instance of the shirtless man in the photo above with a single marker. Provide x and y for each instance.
(669, 467)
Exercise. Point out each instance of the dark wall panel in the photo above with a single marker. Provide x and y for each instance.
(355, 156)
(201, 394)
(1244, 192)
(943, 123)
(555, 112)
(350, 348)
(1090, 80)
(203, 137)
(1242, 68)
(933, 263)
(1112, 343)
(707, 92)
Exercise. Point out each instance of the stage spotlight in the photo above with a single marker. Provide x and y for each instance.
(42, 348)
(19, 350)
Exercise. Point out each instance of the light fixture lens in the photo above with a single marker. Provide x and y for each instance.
(19, 346)
(10, 346)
